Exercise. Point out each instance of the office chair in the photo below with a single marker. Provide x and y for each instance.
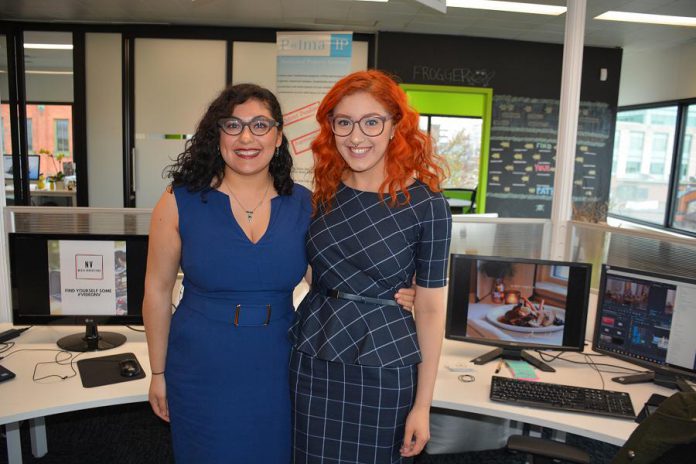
(667, 436)
(466, 194)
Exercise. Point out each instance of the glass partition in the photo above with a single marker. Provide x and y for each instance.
(685, 209)
(632, 248)
(5, 130)
(48, 58)
(28, 219)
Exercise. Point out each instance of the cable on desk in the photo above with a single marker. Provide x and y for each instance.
(135, 330)
(6, 346)
(61, 362)
(66, 361)
(594, 366)
(549, 358)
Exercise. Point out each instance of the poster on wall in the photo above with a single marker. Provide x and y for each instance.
(309, 64)
(522, 159)
(87, 277)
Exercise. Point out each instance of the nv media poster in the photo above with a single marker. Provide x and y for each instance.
(308, 65)
(87, 277)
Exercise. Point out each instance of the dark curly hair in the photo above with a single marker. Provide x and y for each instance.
(201, 161)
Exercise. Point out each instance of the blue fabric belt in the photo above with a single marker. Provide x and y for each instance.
(333, 293)
(241, 309)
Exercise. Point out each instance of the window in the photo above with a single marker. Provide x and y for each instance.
(659, 152)
(684, 171)
(684, 216)
(560, 272)
(458, 139)
(642, 178)
(62, 136)
(30, 136)
(631, 116)
(617, 148)
(635, 153)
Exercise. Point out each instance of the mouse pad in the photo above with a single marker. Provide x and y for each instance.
(105, 370)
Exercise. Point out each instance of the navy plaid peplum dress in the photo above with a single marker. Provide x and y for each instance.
(353, 368)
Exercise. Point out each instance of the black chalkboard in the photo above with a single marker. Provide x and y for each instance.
(522, 157)
(526, 82)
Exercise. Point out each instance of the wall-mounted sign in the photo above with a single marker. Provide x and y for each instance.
(309, 64)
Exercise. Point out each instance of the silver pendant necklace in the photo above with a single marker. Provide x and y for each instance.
(249, 212)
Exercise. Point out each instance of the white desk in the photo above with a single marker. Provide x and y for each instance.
(40, 196)
(70, 195)
(473, 397)
(22, 399)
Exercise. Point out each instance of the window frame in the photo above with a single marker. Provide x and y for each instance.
(674, 167)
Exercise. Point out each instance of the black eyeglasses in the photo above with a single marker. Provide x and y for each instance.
(372, 125)
(257, 126)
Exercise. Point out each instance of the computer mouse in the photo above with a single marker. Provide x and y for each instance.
(129, 367)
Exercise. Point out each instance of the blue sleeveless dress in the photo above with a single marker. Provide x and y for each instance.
(228, 352)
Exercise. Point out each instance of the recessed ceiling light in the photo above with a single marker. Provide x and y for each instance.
(40, 46)
(36, 71)
(515, 7)
(647, 18)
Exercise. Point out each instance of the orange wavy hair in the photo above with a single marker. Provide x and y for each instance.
(409, 154)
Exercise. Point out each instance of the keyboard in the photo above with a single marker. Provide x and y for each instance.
(562, 397)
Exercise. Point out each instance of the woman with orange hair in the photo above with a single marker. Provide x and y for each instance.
(379, 220)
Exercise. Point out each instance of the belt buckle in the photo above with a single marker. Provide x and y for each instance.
(238, 309)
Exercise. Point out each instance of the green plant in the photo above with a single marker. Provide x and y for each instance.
(56, 162)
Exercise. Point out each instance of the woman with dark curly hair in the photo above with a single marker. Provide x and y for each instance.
(362, 371)
(235, 223)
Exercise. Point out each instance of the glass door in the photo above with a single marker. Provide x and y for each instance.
(48, 64)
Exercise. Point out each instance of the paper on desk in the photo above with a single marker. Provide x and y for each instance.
(521, 370)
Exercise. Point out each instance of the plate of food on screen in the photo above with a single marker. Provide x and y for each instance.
(528, 316)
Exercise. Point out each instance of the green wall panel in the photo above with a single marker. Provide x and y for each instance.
(443, 100)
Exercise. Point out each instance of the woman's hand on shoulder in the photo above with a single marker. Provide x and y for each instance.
(158, 397)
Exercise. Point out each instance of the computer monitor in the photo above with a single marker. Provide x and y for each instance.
(517, 304)
(71, 279)
(34, 166)
(648, 319)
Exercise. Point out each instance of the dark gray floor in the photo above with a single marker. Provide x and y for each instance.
(132, 434)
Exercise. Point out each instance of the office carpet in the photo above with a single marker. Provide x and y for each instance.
(131, 434)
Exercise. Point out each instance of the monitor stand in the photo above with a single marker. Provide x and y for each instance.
(669, 381)
(517, 354)
(92, 339)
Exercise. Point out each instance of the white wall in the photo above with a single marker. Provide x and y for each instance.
(658, 75)
(104, 120)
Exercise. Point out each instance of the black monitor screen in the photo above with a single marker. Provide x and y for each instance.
(648, 319)
(68, 278)
(510, 302)
(34, 166)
